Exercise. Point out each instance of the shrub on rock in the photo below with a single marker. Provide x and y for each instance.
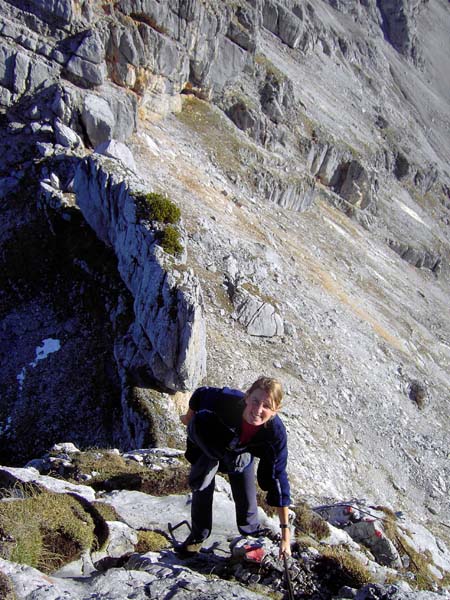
(169, 240)
(161, 208)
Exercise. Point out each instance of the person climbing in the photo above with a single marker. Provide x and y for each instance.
(226, 429)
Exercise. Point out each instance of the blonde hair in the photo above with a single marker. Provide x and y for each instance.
(270, 385)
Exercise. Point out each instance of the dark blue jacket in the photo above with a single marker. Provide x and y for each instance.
(269, 443)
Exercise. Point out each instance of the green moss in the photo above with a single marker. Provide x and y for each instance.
(45, 530)
(150, 541)
(161, 482)
(106, 511)
(113, 472)
(419, 562)
(255, 291)
(217, 134)
(169, 239)
(310, 523)
(102, 463)
(445, 581)
(270, 69)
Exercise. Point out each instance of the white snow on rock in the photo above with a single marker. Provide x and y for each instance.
(49, 346)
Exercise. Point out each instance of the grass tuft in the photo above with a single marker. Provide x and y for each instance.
(169, 240)
(339, 567)
(106, 511)
(150, 541)
(310, 523)
(44, 530)
(161, 208)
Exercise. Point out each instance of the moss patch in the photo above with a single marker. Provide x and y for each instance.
(110, 471)
(419, 561)
(217, 134)
(101, 464)
(45, 530)
(150, 541)
(154, 482)
(107, 511)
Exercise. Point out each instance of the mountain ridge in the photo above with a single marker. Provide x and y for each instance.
(306, 148)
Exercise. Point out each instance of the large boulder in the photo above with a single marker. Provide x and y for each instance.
(258, 317)
(111, 118)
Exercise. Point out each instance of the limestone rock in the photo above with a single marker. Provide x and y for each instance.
(399, 25)
(168, 335)
(371, 535)
(282, 22)
(10, 475)
(65, 136)
(65, 447)
(98, 119)
(118, 150)
(258, 317)
(61, 9)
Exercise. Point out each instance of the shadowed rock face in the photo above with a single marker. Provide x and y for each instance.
(307, 145)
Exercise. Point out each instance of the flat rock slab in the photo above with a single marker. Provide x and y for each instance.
(31, 475)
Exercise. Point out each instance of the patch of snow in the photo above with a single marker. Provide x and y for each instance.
(340, 230)
(48, 346)
(21, 377)
(151, 144)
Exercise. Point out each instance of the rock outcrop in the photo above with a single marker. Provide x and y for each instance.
(168, 335)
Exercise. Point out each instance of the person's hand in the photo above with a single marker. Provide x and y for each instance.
(185, 419)
(285, 548)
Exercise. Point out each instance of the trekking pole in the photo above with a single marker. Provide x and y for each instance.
(287, 577)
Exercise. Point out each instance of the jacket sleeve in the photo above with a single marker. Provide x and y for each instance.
(272, 475)
(198, 398)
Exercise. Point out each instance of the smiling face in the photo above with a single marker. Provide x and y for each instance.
(258, 407)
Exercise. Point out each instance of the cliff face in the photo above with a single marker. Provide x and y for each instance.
(306, 146)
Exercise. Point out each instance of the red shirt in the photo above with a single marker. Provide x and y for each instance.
(247, 432)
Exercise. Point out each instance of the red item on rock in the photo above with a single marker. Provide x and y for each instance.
(254, 553)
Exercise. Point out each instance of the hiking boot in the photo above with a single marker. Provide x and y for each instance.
(189, 547)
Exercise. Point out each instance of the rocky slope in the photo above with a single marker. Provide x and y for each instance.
(306, 146)
(124, 548)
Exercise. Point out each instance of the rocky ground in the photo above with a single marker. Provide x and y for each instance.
(345, 550)
(306, 148)
(355, 328)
